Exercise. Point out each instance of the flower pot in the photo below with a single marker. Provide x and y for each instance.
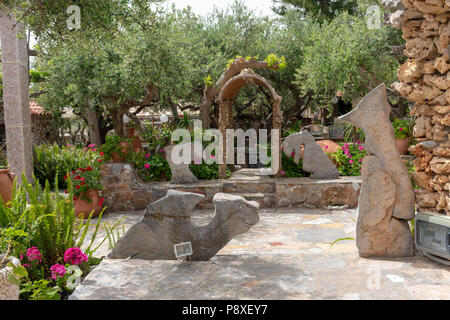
(116, 157)
(8, 290)
(136, 144)
(402, 145)
(6, 183)
(130, 132)
(84, 208)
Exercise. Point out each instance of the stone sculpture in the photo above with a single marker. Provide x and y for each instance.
(181, 174)
(314, 159)
(168, 222)
(386, 201)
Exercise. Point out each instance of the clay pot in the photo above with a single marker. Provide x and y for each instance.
(130, 132)
(6, 184)
(136, 144)
(327, 146)
(116, 158)
(402, 145)
(84, 208)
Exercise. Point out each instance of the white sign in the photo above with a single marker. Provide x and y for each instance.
(183, 249)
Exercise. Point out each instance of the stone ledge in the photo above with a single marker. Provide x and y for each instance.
(124, 191)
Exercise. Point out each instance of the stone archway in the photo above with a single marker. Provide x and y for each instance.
(226, 98)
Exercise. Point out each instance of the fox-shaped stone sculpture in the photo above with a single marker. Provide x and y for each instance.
(386, 201)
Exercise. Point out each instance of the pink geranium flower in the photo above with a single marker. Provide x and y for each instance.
(58, 271)
(147, 166)
(351, 161)
(33, 253)
(75, 256)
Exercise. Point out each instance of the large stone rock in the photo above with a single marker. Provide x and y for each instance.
(386, 200)
(8, 290)
(168, 222)
(314, 159)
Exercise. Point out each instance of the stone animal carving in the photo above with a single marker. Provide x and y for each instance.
(314, 159)
(386, 200)
(168, 222)
(181, 174)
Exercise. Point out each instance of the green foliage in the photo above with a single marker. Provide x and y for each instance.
(39, 290)
(403, 128)
(323, 10)
(151, 166)
(273, 60)
(345, 55)
(290, 169)
(116, 144)
(45, 220)
(349, 159)
(52, 160)
(85, 179)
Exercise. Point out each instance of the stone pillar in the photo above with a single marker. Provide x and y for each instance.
(16, 96)
(224, 113)
(424, 79)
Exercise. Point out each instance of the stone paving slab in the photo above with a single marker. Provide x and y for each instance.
(287, 255)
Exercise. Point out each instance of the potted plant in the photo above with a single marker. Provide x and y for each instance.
(6, 183)
(403, 130)
(130, 130)
(86, 184)
(116, 148)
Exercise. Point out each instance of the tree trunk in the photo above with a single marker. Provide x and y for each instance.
(94, 129)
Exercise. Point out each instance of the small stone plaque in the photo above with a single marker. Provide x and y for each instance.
(183, 249)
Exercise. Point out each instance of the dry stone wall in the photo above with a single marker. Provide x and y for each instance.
(424, 79)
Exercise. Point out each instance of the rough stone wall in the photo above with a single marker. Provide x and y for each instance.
(424, 79)
(124, 191)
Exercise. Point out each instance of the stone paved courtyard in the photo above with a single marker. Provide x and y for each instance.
(287, 255)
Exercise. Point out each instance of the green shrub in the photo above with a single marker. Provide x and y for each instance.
(349, 159)
(403, 128)
(52, 160)
(40, 221)
(290, 169)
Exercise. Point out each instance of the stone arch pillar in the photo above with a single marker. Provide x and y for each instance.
(226, 98)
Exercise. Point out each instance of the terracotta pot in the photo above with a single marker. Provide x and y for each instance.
(84, 208)
(402, 145)
(6, 183)
(136, 144)
(130, 132)
(116, 157)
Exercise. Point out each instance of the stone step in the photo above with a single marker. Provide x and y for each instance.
(242, 186)
(265, 200)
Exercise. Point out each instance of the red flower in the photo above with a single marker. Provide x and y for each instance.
(102, 153)
(75, 198)
(83, 183)
(66, 192)
(65, 178)
(88, 168)
(77, 177)
(99, 160)
(77, 187)
(181, 116)
(82, 179)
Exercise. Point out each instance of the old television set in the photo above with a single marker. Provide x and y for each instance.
(432, 236)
